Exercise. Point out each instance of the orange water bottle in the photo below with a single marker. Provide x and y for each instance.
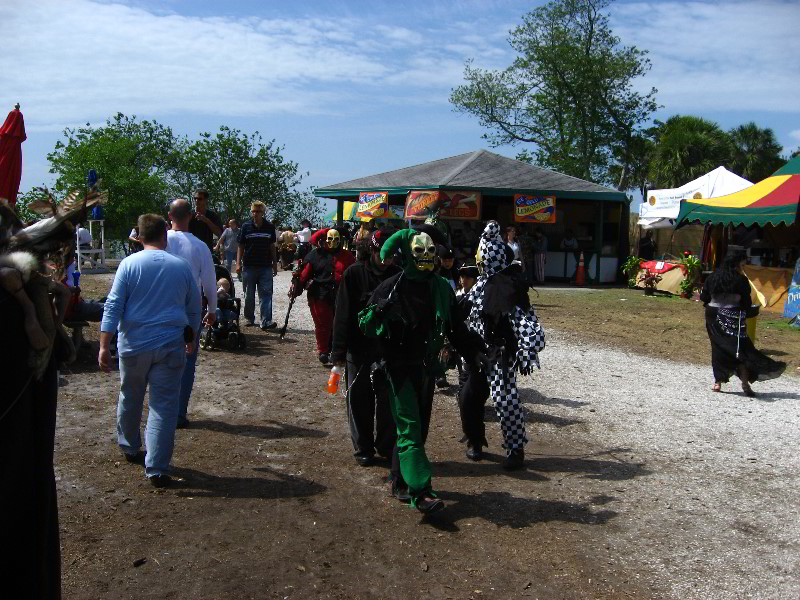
(334, 379)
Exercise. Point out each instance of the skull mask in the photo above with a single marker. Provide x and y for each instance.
(333, 239)
(423, 251)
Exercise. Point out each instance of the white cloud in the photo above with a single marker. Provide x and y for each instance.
(72, 61)
(717, 55)
(82, 60)
(795, 135)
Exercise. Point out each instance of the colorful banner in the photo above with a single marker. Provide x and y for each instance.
(450, 205)
(373, 205)
(792, 306)
(534, 209)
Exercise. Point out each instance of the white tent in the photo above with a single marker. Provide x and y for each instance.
(660, 207)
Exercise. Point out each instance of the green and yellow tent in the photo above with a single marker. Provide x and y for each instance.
(349, 213)
(774, 200)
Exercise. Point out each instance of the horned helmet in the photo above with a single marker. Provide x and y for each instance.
(423, 251)
(333, 239)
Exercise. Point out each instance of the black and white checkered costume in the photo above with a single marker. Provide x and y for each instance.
(501, 375)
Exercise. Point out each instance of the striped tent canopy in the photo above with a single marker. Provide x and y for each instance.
(774, 200)
(349, 214)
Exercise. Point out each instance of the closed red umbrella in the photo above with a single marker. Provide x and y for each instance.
(12, 134)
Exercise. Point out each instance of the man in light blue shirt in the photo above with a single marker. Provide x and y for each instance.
(153, 303)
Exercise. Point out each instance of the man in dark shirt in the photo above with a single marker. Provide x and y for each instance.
(647, 247)
(205, 223)
(371, 425)
(257, 261)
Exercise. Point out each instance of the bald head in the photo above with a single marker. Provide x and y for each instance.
(180, 213)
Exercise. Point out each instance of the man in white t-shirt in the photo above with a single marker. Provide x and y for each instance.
(183, 244)
(303, 238)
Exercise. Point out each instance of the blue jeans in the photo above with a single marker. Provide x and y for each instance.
(187, 379)
(260, 277)
(161, 368)
(229, 258)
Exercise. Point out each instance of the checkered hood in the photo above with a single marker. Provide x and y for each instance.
(492, 249)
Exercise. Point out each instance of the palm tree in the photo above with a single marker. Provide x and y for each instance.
(686, 148)
(756, 153)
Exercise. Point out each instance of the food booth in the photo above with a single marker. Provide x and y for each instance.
(469, 189)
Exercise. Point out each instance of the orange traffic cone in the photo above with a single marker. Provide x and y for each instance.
(580, 272)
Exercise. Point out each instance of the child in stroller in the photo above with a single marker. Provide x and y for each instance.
(226, 327)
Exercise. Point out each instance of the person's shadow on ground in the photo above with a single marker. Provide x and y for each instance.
(194, 483)
(775, 396)
(591, 468)
(505, 510)
(271, 431)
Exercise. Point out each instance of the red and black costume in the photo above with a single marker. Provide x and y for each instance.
(321, 274)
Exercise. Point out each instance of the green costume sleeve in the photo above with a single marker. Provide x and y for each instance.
(371, 322)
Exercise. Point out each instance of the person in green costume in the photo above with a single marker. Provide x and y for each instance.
(411, 314)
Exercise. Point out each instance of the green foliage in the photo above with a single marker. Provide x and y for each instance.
(569, 92)
(24, 200)
(688, 147)
(634, 172)
(143, 165)
(136, 160)
(238, 169)
(631, 268)
(692, 268)
(756, 152)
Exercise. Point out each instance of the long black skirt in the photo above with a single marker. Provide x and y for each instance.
(732, 351)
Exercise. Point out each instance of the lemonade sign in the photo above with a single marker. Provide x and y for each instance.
(373, 205)
(534, 209)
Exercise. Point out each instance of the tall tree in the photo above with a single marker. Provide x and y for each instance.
(237, 169)
(569, 92)
(136, 161)
(688, 147)
(143, 165)
(756, 152)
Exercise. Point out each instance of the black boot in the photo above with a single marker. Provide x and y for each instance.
(515, 460)
(474, 451)
(400, 491)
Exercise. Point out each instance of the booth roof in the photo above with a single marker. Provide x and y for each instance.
(483, 171)
(774, 200)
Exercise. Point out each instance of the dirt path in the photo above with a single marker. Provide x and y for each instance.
(640, 484)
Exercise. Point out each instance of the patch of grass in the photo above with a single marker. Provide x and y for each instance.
(663, 326)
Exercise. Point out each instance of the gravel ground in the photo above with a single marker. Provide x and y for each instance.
(641, 482)
(708, 507)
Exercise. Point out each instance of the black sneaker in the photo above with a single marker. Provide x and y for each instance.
(268, 326)
(249, 323)
(515, 460)
(182, 423)
(428, 504)
(324, 359)
(136, 459)
(159, 481)
(442, 382)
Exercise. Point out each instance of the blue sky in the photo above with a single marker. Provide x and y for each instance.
(352, 88)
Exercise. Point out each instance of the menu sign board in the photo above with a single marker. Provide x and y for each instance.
(534, 209)
(373, 205)
(450, 204)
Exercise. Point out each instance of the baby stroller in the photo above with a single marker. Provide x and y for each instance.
(226, 331)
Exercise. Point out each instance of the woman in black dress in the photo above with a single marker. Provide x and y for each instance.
(726, 295)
